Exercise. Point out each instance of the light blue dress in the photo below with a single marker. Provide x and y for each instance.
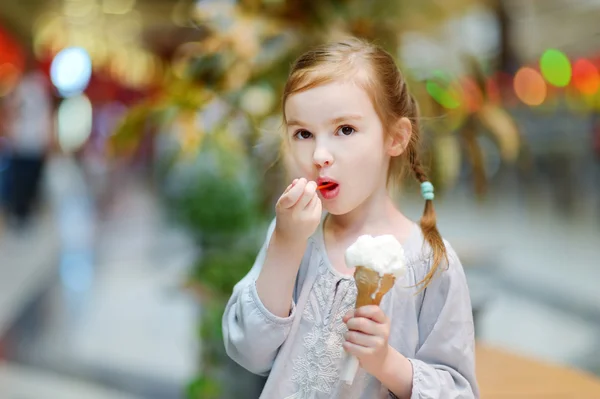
(302, 354)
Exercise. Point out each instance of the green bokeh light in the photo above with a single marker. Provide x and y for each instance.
(556, 68)
(441, 90)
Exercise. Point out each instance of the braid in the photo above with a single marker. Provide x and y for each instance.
(416, 167)
(429, 219)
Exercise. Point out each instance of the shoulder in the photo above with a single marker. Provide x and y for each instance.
(421, 257)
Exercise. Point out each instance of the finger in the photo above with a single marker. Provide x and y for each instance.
(348, 315)
(366, 326)
(290, 198)
(314, 201)
(365, 340)
(372, 312)
(356, 350)
(317, 207)
(363, 325)
(292, 184)
(308, 194)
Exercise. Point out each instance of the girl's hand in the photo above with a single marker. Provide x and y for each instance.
(367, 337)
(298, 211)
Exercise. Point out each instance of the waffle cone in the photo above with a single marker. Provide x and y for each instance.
(371, 287)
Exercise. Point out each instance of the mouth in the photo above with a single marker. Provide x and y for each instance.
(328, 187)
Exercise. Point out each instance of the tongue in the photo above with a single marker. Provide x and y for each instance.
(325, 185)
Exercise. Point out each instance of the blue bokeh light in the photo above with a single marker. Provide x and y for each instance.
(71, 71)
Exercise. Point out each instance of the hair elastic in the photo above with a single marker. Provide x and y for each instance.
(427, 190)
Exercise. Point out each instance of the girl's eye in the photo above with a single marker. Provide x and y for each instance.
(346, 130)
(303, 135)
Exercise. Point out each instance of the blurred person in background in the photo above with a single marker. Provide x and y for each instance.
(28, 128)
(4, 157)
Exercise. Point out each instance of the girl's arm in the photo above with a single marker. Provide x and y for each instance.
(259, 315)
(444, 363)
(275, 283)
(252, 333)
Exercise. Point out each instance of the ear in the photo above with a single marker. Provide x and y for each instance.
(399, 137)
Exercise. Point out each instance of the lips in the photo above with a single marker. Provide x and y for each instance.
(329, 187)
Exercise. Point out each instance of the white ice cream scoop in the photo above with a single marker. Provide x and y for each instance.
(383, 254)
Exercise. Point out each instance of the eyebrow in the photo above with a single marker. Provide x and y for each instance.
(333, 121)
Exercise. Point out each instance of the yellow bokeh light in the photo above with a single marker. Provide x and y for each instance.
(117, 6)
(80, 8)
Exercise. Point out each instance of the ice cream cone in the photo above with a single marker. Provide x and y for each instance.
(371, 287)
(377, 262)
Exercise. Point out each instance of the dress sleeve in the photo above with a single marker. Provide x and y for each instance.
(444, 363)
(251, 333)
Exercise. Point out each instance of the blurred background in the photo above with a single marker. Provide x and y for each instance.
(139, 168)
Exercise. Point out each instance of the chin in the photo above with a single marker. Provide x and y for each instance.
(336, 209)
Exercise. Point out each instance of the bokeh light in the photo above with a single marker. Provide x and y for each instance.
(472, 94)
(257, 100)
(586, 77)
(556, 68)
(499, 89)
(596, 102)
(530, 87)
(492, 90)
(71, 71)
(441, 89)
(74, 122)
(118, 6)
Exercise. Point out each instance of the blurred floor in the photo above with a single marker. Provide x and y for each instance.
(19, 382)
(111, 310)
(27, 260)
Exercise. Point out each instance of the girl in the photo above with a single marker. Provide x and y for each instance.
(351, 121)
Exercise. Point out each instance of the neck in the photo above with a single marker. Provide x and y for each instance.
(376, 215)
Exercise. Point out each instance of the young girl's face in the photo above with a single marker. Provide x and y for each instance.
(334, 134)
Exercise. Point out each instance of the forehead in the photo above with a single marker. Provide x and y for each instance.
(329, 100)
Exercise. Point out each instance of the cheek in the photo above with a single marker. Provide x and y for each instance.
(291, 167)
(300, 157)
(370, 155)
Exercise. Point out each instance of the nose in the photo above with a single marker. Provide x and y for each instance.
(322, 156)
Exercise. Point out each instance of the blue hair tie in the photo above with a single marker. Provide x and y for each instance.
(427, 190)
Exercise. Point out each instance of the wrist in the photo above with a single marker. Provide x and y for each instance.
(288, 242)
(287, 255)
(379, 370)
(395, 373)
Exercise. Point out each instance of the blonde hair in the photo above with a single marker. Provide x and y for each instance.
(376, 71)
